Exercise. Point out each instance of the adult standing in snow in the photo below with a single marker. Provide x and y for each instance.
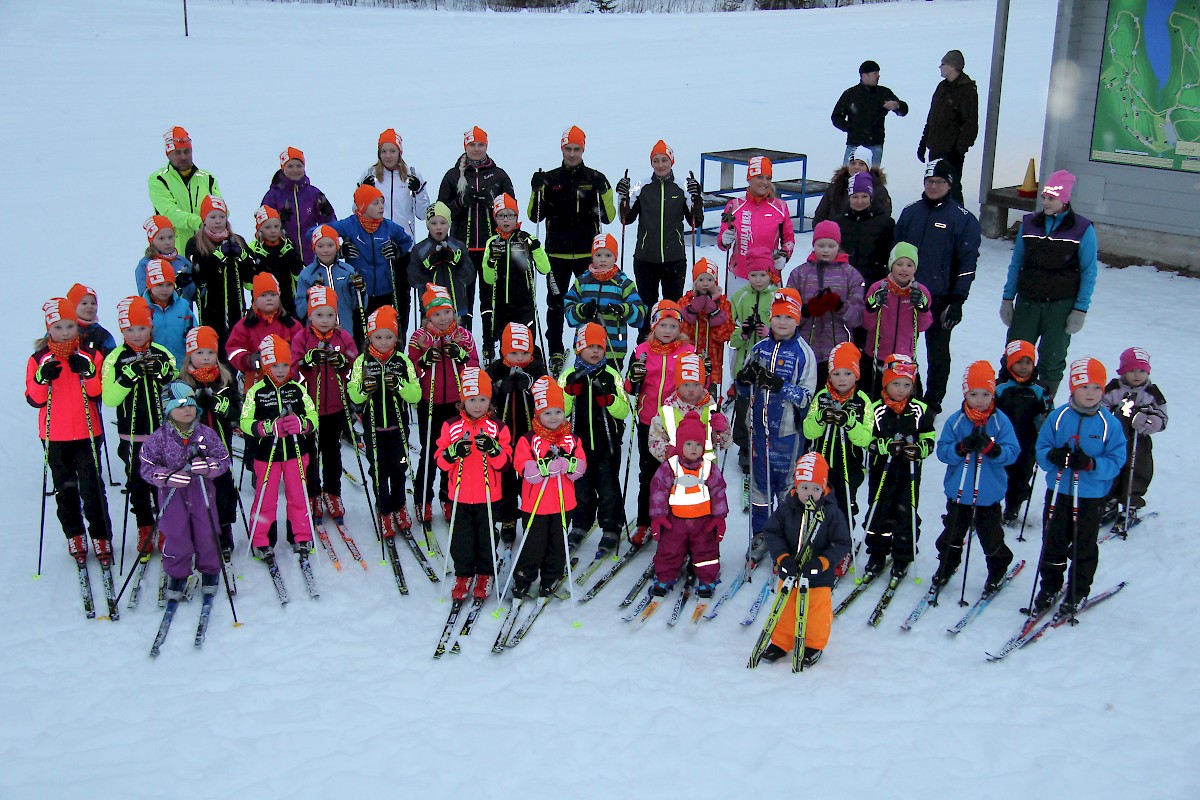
(862, 110)
(946, 236)
(301, 205)
(468, 189)
(576, 201)
(953, 121)
(755, 226)
(1050, 278)
(836, 200)
(404, 201)
(177, 189)
(661, 205)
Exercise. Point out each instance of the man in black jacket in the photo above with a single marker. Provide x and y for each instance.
(862, 110)
(953, 121)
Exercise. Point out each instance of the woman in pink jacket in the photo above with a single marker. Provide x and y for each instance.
(757, 224)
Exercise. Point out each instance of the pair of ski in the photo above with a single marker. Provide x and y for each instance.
(790, 588)
(281, 592)
(1034, 628)
(511, 634)
(110, 591)
(347, 539)
(451, 620)
(1120, 529)
(169, 616)
(651, 603)
(930, 599)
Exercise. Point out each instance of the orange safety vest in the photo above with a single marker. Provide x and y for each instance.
(689, 492)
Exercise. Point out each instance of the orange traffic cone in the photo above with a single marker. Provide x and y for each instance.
(1029, 187)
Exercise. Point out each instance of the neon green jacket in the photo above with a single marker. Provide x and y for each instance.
(179, 200)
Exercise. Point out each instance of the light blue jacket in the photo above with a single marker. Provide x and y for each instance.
(1098, 435)
(171, 324)
(993, 479)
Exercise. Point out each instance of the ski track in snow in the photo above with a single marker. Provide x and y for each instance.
(340, 696)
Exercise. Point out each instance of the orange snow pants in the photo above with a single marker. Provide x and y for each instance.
(820, 619)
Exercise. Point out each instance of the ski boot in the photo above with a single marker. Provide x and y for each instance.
(1010, 516)
(773, 653)
(508, 532)
(995, 579)
(660, 589)
(608, 542)
(758, 548)
(333, 504)
(388, 523)
(483, 586)
(875, 564)
(462, 587)
(1043, 600)
(899, 569)
(520, 589)
(262, 553)
(557, 361)
(145, 544)
(546, 589)
(447, 510)
(1067, 608)
(640, 535)
(209, 583)
(427, 513)
(78, 548)
(706, 590)
(811, 656)
(103, 550)
(316, 509)
(575, 538)
(175, 587)
(944, 574)
(303, 549)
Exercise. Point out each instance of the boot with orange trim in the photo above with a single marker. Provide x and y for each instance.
(145, 544)
(388, 522)
(333, 503)
(403, 521)
(462, 587)
(103, 550)
(78, 548)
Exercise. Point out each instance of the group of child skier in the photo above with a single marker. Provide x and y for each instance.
(318, 355)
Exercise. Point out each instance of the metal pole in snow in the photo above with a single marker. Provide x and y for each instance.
(185, 21)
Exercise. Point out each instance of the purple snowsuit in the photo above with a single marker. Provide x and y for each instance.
(825, 332)
(187, 523)
(299, 198)
(697, 536)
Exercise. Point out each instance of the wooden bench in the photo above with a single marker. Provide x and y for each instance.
(993, 215)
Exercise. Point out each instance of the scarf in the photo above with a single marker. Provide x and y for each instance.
(605, 276)
(441, 334)
(273, 242)
(217, 237)
(369, 225)
(662, 348)
(979, 418)
(208, 374)
(62, 350)
(555, 436)
(1084, 411)
(897, 406)
(380, 355)
(838, 398)
(897, 289)
(589, 369)
(266, 319)
(171, 256)
(511, 365)
(1018, 378)
(137, 349)
(321, 337)
(184, 435)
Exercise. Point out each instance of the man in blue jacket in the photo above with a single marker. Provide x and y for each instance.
(946, 236)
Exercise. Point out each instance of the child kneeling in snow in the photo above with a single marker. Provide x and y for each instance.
(809, 503)
(688, 506)
(182, 458)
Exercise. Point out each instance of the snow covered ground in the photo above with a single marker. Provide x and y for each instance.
(340, 697)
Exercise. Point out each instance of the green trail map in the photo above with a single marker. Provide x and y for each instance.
(1148, 98)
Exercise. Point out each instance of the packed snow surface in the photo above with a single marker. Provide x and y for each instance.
(340, 697)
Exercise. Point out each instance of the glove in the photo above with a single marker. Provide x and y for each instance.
(458, 450)
(1075, 321)
(519, 380)
(921, 152)
(575, 386)
(770, 381)
(264, 429)
(532, 473)
(660, 526)
(552, 452)
(727, 237)
(919, 301)
(288, 425)
(747, 329)
(356, 280)
(834, 416)
(370, 384)
(895, 448)
(560, 466)
(748, 374)
(442, 255)
(336, 359)
(52, 368)
(315, 357)
(1079, 461)
(911, 451)
(456, 352)
(389, 250)
(487, 444)
(127, 376)
(719, 528)
(587, 310)
(780, 259)
(693, 187)
(538, 182)
(254, 361)
(81, 365)
(1006, 312)
(1142, 422)
(603, 400)
(220, 405)
(788, 568)
(179, 479)
(622, 188)
(204, 466)
(637, 371)
(160, 368)
(718, 423)
(230, 248)
(616, 311)
(349, 251)
(285, 216)
(430, 356)
(974, 442)
(703, 304)
(323, 206)
(952, 313)
(414, 184)
(391, 380)
(1058, 456)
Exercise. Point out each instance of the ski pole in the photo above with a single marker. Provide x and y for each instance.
(1129, 483)
(1028, 503)
(45, 470)
(487, 497)
(260, 493)
(107, 461)
(528, 521)
(1071, 579)
(912, 505)
(962, 597)
(162, 510)
(693, 221)
(1047, 519)
(849, 501)
(312, 523)
(87, 412)
(453, 517)
(128, 472)
(562, 516)
(354, 440)
(427, 455)
(623, 228)
(217, 541)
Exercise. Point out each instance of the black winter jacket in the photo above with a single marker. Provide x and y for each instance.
(471, 218)
(830, 544)
(953, 121)
(860, 113)
(575, 203)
